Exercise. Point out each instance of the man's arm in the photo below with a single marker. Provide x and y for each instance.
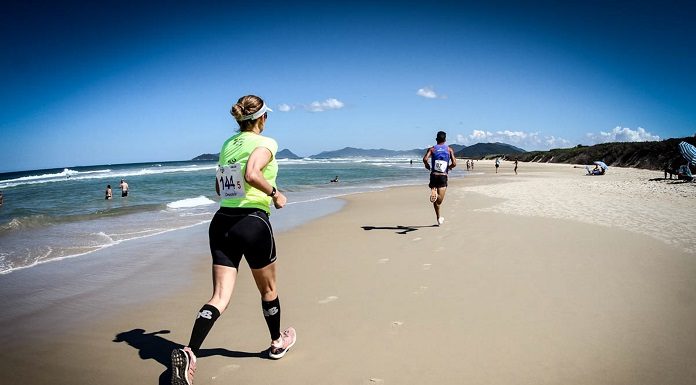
(426, 157)
(452, 158)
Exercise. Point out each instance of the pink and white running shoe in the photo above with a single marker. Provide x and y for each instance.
(183, 366)
(281, 346)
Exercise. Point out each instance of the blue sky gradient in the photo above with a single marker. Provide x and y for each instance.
(123, 82)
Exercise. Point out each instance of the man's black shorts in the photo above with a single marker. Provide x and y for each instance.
(438, 181)
(234, 232)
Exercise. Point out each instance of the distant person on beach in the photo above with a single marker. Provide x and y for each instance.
(124, 188)
(1, 198)
(515, 166)
(108, 192)
(467, 165)
(497, 164)
(335, 180)
(246, 182)
(670, 169)
(439, 159)
(595, 171)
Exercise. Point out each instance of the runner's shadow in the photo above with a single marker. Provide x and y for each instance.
(402, 229)
(151, 346)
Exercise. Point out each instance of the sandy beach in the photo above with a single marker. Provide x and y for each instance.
(546, 277)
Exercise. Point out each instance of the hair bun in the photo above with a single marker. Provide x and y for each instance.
(237, 111)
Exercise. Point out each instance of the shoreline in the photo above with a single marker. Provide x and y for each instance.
(489, 296)
(31, 240)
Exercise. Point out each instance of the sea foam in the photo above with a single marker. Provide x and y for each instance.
(190, 202)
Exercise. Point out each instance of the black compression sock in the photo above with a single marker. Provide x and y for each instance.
(204, 322)
(271, 312)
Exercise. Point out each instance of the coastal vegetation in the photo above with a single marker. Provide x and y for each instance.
(645, 155)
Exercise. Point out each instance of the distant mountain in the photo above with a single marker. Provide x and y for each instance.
(352, 152)
(480, 150)
(477, 150)
(286, 154)
(455, 147)
(646, 155)
(206, 157)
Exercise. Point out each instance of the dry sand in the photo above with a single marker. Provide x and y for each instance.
(547, 277)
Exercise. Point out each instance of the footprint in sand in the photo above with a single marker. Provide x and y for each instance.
(427, 266)
(376, 381)
(420, 290)
(397, 323)
(416, 239)
(383, 260)
(224, 371)
(328, 299)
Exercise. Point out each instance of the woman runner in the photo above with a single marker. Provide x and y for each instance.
(245, 180)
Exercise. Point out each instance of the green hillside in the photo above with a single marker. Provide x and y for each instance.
(646, 155)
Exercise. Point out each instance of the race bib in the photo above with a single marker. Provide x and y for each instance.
(440, 166)
(230, 180)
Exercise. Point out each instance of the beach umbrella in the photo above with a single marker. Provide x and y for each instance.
(688, 151)
(601, 164)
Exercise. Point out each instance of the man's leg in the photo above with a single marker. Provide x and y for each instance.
(433, 195)
(436, 205)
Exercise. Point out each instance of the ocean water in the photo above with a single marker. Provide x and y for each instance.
(49, 215)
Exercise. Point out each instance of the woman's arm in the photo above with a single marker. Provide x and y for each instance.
(258, 159)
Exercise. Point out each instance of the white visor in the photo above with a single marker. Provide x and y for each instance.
(256, 114)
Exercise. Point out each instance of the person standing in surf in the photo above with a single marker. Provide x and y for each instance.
(439, 159)
(124, 188)
(246, 182)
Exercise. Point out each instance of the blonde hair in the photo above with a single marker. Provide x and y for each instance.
(247, 105)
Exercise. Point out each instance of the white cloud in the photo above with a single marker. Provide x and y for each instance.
(328, 104)
(480, 135)
(536, 141)
(525, 140)
(429, 92)
(622, 134)
(285, 107)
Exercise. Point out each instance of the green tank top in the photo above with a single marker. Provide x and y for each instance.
(236, 150)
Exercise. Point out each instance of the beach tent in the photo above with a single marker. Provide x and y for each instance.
(602, 165)
(688, 151)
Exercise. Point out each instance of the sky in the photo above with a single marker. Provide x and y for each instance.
(117, 82)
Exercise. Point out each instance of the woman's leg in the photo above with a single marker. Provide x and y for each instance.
(266, 283)
(281, 342)
(224, 278)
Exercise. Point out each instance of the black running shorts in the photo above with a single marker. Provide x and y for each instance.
(438, 181)
(234, 232)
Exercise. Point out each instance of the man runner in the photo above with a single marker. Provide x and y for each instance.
(439, 159)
